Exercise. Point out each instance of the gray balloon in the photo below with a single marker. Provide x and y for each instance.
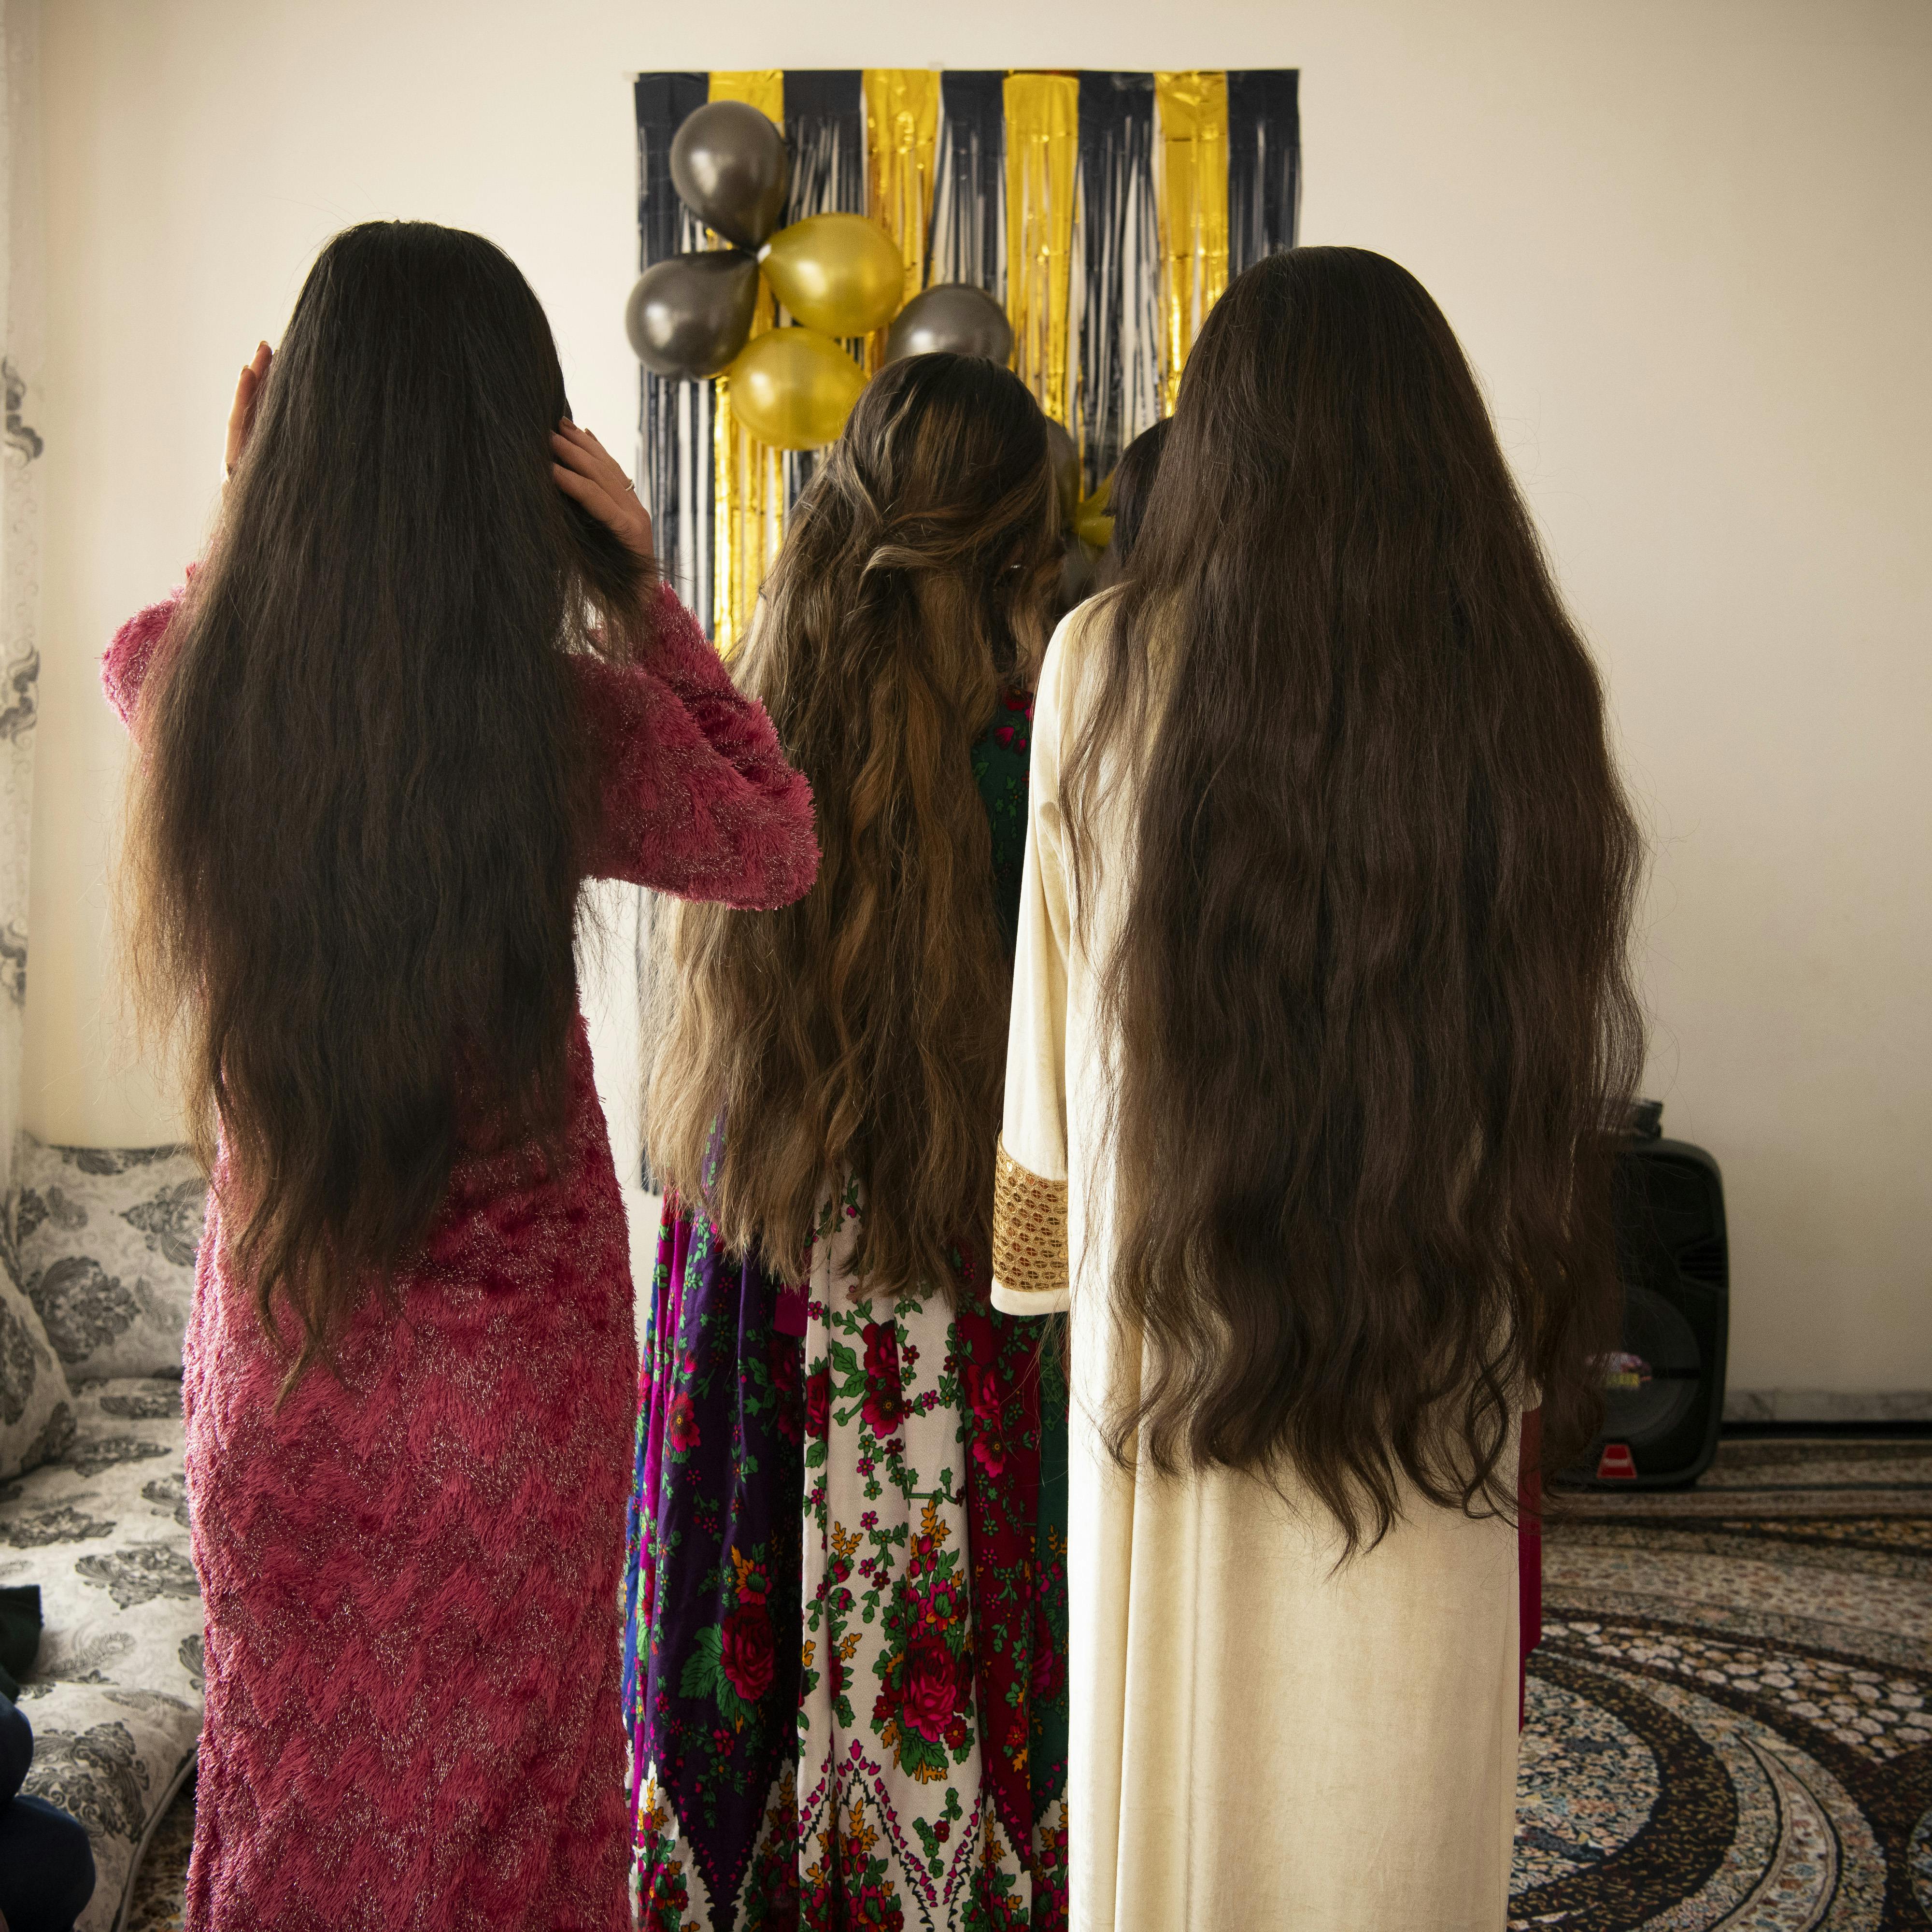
(954, 315)
(689, 315)
(730, 167)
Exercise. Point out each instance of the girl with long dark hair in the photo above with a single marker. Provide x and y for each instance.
(1322, 1005)
(846, 1674)
(423, 686)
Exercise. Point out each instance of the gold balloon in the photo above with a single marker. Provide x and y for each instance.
(837, 273)
(1091, 521)
(794, 388)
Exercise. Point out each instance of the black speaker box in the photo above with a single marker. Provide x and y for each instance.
(1663, 1391)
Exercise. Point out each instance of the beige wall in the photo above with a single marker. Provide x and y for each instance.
(1687, 245)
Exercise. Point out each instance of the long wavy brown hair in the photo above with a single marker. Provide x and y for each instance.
(1370, 993)
(351, 879)
(863, 1031)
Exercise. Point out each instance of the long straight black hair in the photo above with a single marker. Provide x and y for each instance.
(359, 816)
(1370, 993)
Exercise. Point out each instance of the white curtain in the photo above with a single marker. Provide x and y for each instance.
(21, 263)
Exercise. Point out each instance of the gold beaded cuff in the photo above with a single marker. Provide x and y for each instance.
(1029, 1231)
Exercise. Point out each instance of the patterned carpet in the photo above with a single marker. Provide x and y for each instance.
(1730, 1719)
(159, 1892)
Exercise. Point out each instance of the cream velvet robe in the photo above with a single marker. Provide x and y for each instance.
(1260, 1738)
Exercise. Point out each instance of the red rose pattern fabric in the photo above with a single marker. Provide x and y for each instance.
(932, 1768)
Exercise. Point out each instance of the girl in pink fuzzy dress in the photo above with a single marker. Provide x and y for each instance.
(422, 689)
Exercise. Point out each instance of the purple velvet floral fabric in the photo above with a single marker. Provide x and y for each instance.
(711, 1633)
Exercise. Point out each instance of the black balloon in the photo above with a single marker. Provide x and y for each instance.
(689, 315)
(954, 315)
(730, 167)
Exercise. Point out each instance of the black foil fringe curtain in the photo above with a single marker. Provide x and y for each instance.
(1118, 257)
(674, 426)
(1264, 163)
(825, 123)
(966, 241)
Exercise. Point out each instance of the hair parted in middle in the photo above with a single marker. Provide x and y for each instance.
(863, 1030)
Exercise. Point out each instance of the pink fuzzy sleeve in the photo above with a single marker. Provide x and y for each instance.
(125, 667)
(698, 799)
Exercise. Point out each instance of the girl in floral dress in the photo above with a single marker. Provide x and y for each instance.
(846, 1656)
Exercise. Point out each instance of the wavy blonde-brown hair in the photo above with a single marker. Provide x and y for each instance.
(863, 1030)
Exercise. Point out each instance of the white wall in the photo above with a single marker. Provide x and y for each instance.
(1687, 245)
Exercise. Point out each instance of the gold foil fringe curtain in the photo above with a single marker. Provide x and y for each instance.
(903, 106)
(1042, 157)
(901, 130)
(748, 477)
(1193, 112)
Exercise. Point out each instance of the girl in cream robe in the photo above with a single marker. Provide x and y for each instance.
(1263, 1734)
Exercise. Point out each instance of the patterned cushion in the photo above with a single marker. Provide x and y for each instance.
(116, 1697)
(107, 1238)
(36, 1408)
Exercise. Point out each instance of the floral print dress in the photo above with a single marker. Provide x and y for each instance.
(845, 1661)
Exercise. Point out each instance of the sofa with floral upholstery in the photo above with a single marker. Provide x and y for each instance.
(99, 1272)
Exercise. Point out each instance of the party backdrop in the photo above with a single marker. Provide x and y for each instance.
(1103, 212)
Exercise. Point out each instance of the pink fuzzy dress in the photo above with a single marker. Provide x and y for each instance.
(411, 1574)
